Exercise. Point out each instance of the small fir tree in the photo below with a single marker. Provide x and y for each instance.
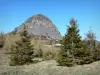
(23, 51)
(92, 45)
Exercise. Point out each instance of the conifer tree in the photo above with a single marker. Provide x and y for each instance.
(92, 45)
(72, 49)
(22, 52)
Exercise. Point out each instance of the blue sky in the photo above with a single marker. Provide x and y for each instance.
(87, 12)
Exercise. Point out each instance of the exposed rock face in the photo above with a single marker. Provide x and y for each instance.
(40, 25)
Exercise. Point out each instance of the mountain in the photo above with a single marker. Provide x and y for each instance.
(40, 25)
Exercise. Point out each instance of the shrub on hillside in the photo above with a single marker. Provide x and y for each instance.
(2, 39)
(48, 55)
(38, 53)
(96, 53)
(65, 61)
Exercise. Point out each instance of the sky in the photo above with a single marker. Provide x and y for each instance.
(87, 13)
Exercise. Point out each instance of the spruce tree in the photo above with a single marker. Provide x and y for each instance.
(22, 52)
(72, 49)
(92, 45)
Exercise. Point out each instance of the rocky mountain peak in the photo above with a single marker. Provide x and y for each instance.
(40, 25)
(39, 17)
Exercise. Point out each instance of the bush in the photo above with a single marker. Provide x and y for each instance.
(67, 61)
(96, 53)
(48, 55)
(2, 39)
(84, 60)
(38, 53)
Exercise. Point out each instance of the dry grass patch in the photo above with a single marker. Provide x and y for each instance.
(9, 41)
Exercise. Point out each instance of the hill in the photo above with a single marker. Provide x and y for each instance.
(40, 25)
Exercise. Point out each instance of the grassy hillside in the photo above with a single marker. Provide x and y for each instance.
(46, 68)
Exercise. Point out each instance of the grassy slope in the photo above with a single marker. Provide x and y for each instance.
(46, 68)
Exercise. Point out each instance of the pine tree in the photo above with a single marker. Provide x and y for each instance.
(72, 49)
(22, 52)
(92, 45)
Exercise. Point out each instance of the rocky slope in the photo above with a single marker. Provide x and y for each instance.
(40, 25)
